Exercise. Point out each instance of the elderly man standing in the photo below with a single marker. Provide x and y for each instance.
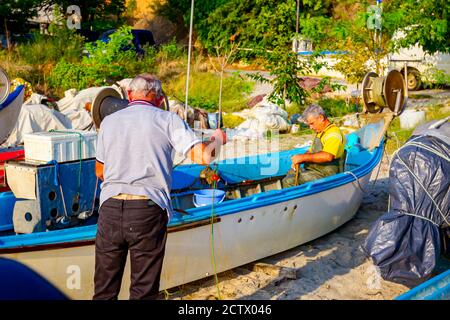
(326, 155)
(135, 152)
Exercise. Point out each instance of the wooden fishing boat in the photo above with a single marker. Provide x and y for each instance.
(258, 218)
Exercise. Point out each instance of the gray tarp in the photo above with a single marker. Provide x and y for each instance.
(405, 242)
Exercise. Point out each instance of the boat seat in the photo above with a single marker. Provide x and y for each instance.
(355, 154)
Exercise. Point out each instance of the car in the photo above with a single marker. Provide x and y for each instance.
(15, 39)
(89, 35)
(141, 38)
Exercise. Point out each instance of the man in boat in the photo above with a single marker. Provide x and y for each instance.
(326, 155)
(135, 152)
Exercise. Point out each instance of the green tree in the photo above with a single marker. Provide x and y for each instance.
(424, 22)
(285, 71)
(253, 23)
(15, 13)
(100, 15)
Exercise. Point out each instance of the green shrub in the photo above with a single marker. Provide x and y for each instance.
(34, 60)
(104, 61)
(49, 49)
(336, 107)
(436, 78)
(295, 108)
(170, 51)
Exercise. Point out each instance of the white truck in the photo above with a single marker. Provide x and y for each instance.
(418, 63)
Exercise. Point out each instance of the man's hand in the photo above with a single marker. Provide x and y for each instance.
(297, 159)
(220, 136)
(204, 153)
(99, 168)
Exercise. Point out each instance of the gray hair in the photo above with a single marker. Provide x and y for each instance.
(313, 110)
(146, 83)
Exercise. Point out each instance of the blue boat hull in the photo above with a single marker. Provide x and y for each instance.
(437, 288)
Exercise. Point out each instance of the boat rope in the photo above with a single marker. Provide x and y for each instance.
(430, 149)
(357, 180)
(66, 216)
(444, 217)
(213, 255)
(87, 214)
(57, 182)
(376, 177)
(80, 140)
(95, 193)
(420, 217)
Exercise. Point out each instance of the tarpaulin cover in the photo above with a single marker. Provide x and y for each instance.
(405, 242)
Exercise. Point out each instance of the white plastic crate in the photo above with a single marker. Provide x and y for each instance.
(60, 146)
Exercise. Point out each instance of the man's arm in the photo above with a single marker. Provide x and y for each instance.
(318, 157)
(99, 170)
(204, 153)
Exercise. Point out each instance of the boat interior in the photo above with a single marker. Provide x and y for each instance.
(247, 176)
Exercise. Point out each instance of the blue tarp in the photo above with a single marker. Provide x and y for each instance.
(405, 242)
(18, 282)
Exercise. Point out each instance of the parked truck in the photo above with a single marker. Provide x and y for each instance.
(418, 63)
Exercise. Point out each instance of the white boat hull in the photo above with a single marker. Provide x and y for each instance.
(239, 238)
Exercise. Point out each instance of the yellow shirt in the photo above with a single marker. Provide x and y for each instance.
(333, 141)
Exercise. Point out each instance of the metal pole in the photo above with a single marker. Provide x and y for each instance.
(220, 98)
(295, 42)
(406, 79)
(380, 4)
(189, 61)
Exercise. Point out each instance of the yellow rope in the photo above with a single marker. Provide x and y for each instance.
(213, 256)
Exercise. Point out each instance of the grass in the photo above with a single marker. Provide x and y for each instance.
(204, 91)
(231, 121)
(399, 136)
(420, 96)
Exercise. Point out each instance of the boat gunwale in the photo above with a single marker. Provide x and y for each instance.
(87, 242)
(29, 242)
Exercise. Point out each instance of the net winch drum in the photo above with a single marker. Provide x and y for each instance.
(108, 101)
(4, 86)
(383, 92)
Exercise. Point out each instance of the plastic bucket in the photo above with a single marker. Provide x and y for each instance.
(7, 201)
(207, 197)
